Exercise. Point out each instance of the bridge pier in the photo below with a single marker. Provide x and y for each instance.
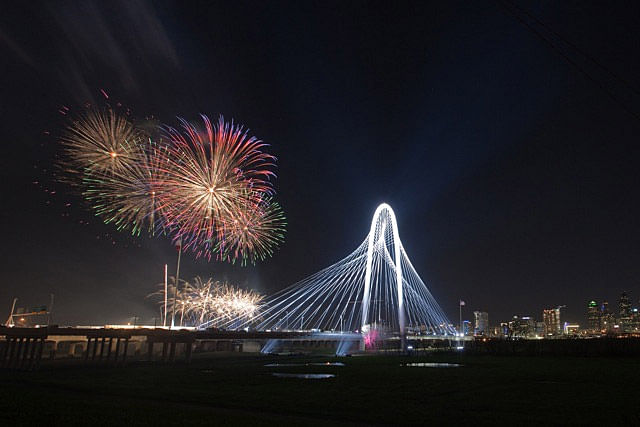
(188, 349)
(109, 349)
(22, 348)
(95, 348)
(102, 347)
(25, 352)
(124, 352)
(172, 352)
(21, 351)
(32, 354)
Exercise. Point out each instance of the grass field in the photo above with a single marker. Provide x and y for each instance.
(240, 390)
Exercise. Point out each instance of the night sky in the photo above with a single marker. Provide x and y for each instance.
(508, 147)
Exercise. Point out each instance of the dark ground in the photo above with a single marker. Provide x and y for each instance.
(240, 390)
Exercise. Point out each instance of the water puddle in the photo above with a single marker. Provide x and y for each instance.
(278, 365)
(432, 365)
(304, 376)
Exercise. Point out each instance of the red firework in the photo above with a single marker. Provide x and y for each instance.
(209, 175)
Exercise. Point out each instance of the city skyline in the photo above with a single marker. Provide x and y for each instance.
(622, 316)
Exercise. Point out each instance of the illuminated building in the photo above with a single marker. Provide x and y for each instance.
(551, 319)
(571, 329)
(607, 320)
(593, 316)
(467, 327)
(624, 306)
(502, 330)
(481, 322)
(539, 332)
(522, 327)
(635, 320)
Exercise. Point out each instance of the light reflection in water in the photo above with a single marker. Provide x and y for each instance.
(304, 376)
(276, 365)
(432, 365)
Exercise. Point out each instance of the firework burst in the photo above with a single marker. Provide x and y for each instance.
(99, 141)
(209, 175)
(208, 186)
(213, 303)
(252, 233)
(127, 196)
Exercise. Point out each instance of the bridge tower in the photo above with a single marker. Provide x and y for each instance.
(378, 236)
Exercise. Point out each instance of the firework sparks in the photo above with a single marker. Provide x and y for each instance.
(99, 141)
(212, 303)
(252, 233)
(127, 196)
(208, 186)
(209, 175)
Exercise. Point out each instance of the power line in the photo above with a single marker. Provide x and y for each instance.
(576, 48)
(566, 57)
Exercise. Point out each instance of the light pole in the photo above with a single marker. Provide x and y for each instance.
(164, 321)
(460, 324)
(175, 289)
(50, 310)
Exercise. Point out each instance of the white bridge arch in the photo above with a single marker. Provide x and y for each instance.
(375, 288)
(381, 218)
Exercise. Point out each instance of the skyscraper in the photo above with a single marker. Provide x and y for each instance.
(467, 327)
(523, 327)
(551, 319)
(481, 323)
(624, 313)
(607, 320)
(593, 316)
(635, 320)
